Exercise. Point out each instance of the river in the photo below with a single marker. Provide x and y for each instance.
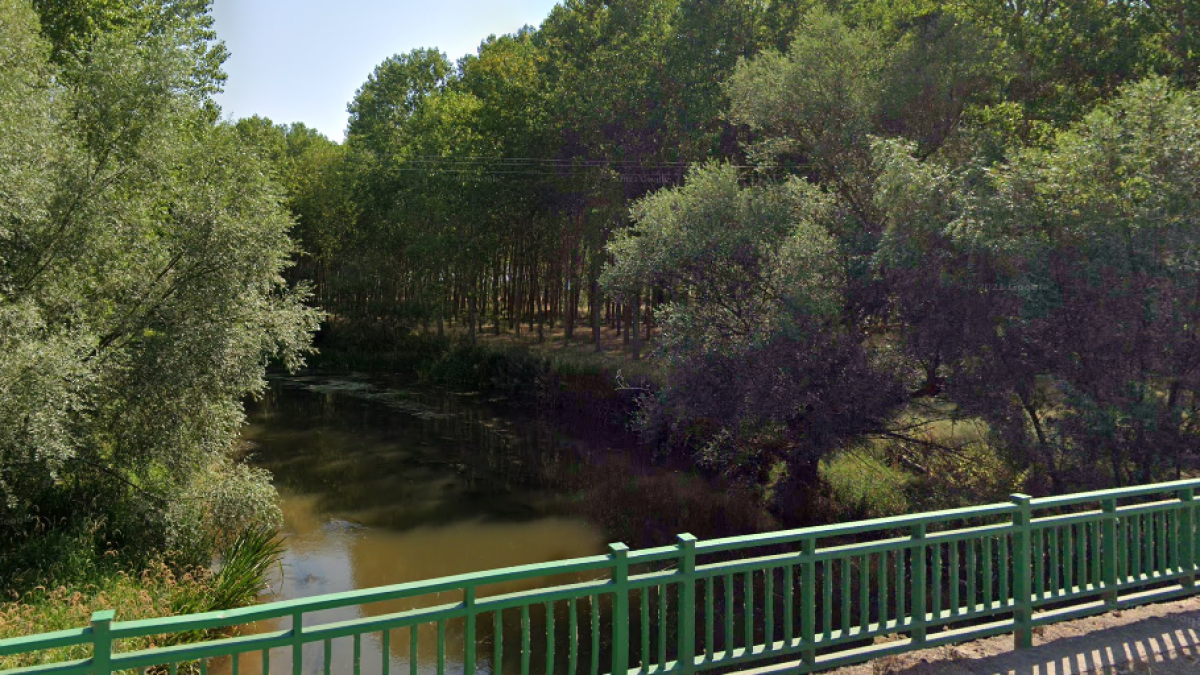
(381, 485)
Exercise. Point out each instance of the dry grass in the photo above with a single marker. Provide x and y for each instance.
(156, 592)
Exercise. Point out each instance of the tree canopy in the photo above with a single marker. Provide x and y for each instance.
(142, 249)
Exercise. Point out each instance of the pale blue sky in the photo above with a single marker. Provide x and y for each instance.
(302, 60)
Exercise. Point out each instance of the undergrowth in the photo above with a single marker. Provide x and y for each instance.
(158, 590)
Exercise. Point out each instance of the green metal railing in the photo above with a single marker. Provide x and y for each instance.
(800, 600)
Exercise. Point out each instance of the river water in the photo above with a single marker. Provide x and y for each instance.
(381, 486)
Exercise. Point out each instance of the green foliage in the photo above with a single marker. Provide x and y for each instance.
(745, 259)
(392, 94)
(861, 486)
(242, 568)
(141, 292)
(514, 371)
(160, 590)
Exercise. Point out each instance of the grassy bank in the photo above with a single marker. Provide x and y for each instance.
(66, 595)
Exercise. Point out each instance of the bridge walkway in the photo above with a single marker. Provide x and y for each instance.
(1161, 639)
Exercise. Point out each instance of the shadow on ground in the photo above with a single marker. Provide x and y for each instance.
(1167, 644)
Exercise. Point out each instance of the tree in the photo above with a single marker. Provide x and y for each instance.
(1058, 293)
(757, 346)
(141, 251)
(391, 94)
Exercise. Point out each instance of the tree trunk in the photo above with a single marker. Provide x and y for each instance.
(594, 301)
(633, 325)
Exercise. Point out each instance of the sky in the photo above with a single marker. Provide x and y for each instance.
(302, 60)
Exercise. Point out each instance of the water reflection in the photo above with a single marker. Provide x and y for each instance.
(381, 487)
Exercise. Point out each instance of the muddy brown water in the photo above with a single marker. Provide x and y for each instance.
(381, 485)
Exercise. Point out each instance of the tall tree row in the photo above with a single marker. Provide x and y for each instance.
(485, 192)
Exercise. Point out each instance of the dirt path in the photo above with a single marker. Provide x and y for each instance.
(1152, 640)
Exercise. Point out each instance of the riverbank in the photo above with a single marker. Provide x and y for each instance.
(65, 593)
(593, 391)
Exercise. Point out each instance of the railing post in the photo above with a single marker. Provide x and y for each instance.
(1108, 557)
(469, 638)
(297, 642)
(620, 651)
(687, 604)
(102, 642)
(808, 603)
(1188, 545)
(918, 605)
(1022, 570)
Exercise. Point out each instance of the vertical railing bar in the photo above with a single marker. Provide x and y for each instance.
(883, 589)
(826, 600)
(1003, 567)
(1148, 544)
(498, 641)
(1123, 549)
(595, 611)
(412, 650)
(266, 662)
(709, 620)
(847, 594)
(1162, 555)
(988, 586)
(469, 629)
(644, 654)
(1172, 538)
(729, 612)
(1081, 561)
(864, 592)
(327, 657)
(972, 575)
(748, 610)
(358, 654)
(789, 604)
(955, 574)
(386, 650)
(1038, 550)
(1055, 562)
(1136, 546)
(549, 638)
(573, 635)
(937, 580)
(663, 599)
(526, 650)
(1068, 559)
(769, 606)
(901, 571)
(298, 642)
